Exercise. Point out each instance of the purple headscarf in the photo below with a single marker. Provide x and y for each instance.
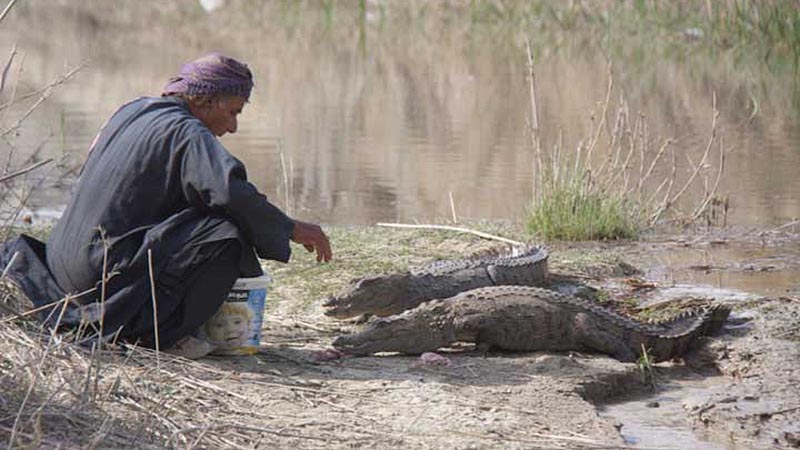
(212, 74)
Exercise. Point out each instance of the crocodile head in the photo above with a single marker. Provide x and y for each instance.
(373, 295)
(404, 333)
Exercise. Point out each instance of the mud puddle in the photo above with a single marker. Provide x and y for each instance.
(768, 270)
(660, 420)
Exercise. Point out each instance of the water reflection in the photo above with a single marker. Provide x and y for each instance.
(771, 271)
(356, 121)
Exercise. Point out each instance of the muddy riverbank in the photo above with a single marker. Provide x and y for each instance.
(738, 391)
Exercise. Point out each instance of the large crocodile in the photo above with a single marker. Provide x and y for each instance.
(521, 318)
(386, 295)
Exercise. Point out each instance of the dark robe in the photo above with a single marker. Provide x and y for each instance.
(156, 179)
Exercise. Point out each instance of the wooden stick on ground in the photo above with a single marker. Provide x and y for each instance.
(450, 228)
(786, 225)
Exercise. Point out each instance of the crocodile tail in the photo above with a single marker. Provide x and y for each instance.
(706, 320)
(526, 268)
(715, 318)
(680, 334)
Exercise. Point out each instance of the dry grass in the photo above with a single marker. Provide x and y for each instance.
(57, 393)
(60, 394)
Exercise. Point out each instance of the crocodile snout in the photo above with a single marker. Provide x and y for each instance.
(350, 346)
(334, 307)
(330, 302)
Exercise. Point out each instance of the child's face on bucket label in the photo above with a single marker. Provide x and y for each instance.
(230, 329)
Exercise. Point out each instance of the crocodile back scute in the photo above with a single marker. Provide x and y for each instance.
(517, 259)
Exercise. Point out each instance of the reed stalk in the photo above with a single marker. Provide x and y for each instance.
(607, 188)
(155, 308)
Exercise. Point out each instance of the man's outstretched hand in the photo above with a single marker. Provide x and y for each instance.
(313, 239)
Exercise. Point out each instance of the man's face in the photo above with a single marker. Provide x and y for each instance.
(220, 116)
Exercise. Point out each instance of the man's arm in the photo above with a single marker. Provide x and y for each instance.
(214, 179)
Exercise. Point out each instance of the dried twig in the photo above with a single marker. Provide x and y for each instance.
(4, 74)
(534, 119)
(47, 92)
(782, 227)
(155, 307)
(7, 9)
(709, 195)
(287, 188)
(600, 124)
(449, 228)
(453, 207)
(46, 306)
(32, 384)
(21, 172)
(703, 159)
(8, 266)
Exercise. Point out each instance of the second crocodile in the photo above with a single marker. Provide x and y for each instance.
(521, 318)
(386, 295)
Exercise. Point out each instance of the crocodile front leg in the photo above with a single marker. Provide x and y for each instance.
(594, 337)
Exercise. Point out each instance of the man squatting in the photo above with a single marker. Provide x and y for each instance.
(158, 180)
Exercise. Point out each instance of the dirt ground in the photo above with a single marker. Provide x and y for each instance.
(471, 400)
(290, 395)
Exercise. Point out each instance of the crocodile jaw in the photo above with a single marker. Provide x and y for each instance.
(350, 346)
(376, 338)
(404, 333)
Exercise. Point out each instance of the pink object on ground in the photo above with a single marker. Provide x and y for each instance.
(434, 359)
(329, 354)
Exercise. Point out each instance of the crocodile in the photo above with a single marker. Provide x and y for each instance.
(524, 318)
(386, 295)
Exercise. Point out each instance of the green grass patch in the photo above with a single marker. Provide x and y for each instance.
(645, 363)
(573, 214)
(360, 251)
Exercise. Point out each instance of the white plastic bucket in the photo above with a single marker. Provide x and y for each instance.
(235, 329)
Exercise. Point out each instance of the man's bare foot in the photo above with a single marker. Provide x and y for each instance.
(190, 347)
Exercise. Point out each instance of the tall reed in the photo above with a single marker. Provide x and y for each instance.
(616, 183)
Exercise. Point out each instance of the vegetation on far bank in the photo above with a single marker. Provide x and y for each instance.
(768, 30)
(619, 181)
(764, 31)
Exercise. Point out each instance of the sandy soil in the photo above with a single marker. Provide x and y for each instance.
(538, 400)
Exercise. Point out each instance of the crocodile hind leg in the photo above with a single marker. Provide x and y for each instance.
(593, 337)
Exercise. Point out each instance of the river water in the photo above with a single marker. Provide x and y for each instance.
(370, 115)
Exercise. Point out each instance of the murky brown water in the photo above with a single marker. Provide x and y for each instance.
(356, 121)
(659, 421)
(726, 268)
